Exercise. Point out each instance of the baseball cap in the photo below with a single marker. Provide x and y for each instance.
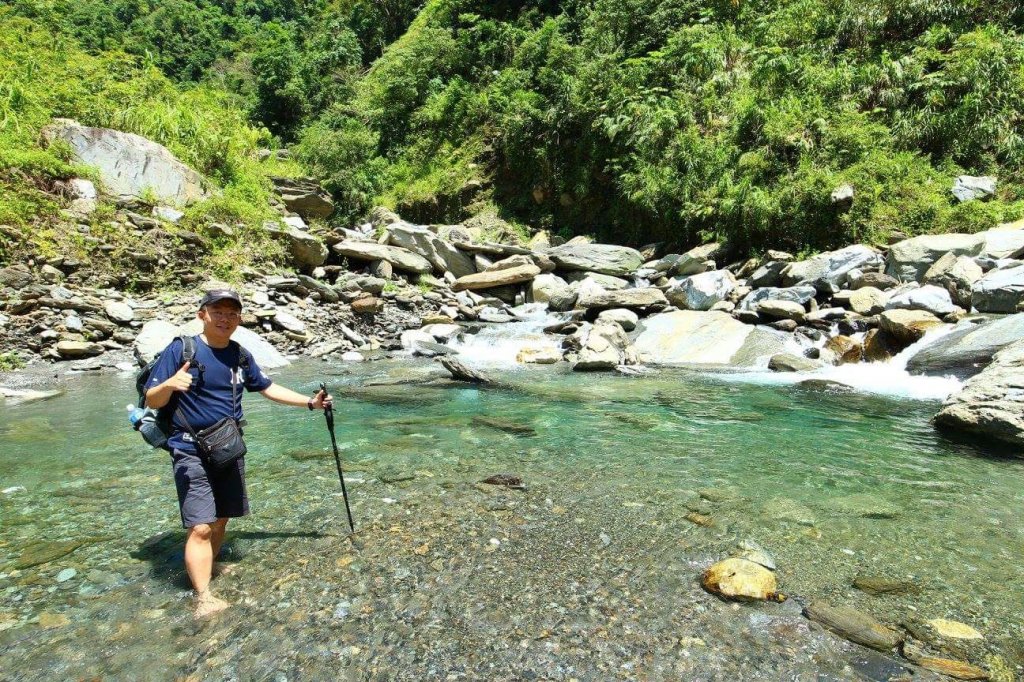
(214, 295)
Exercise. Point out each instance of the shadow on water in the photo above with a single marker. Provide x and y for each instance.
(974, 445)
(165, 551)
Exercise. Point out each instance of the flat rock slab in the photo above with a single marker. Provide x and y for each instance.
(400, 258)
(696, 337)
(851, 624)
(622, 298)
(606, 259)
(129, 164)
(496, 278)
(990, 404)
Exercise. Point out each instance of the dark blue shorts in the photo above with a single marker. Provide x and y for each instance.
(206, 494)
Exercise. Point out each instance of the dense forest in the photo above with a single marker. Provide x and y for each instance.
(672, 120)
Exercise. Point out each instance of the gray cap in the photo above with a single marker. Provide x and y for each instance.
(214, 295)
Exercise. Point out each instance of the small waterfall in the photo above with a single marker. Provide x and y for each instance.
(883, 378)
(496, 345)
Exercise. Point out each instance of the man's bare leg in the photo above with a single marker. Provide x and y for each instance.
(217, 540)
(199, 566)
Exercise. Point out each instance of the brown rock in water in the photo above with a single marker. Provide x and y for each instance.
(462, 373)
(840, 350)
(853, 625)
(742, 580)
(507, 480)
(880, 346)
(876, 585)
(945, 666)
(700, 519)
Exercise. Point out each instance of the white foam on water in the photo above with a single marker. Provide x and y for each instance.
(496, 345)
(882, 378)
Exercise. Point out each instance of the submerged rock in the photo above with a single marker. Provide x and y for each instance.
(741, 579)
(877, 585)
(853, 625)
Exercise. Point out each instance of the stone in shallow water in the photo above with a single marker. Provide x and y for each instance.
(853, 625)
(876, 585)
(66, 575)
(506, 425)
(954, 629)
(785, 509)
(741, 579)
(866, 506)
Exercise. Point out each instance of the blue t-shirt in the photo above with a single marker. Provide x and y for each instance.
(209, 399)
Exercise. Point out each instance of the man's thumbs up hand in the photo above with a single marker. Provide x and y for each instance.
(182, 380)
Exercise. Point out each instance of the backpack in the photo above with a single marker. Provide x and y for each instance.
(156, 425)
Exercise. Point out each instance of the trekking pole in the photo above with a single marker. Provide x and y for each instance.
(329, 416)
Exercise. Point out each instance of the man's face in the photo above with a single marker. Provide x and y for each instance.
(220, 319)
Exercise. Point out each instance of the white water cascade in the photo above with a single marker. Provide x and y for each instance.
(497, 345)
(883, 378)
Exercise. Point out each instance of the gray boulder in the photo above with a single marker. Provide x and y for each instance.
(967, 349)
(595, 298)
(604, 281)
(768, 275)
(1005, 241)
(930, 298)
(787, 362)
(827, 271)
(990, 404)
(399, 258)
(442, 254)
(969, 187)
(957, 275)
(694, 261)
(500, 277)
(910, 259)
(155, 335)
(623, 317)
(304, 196)
(701, 291)
(696, 337)
(999, 291)
(606, 259)
(130, 165)
(799, 294)
(307, 252)
(604, 347)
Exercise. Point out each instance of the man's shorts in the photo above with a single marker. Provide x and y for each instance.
(206, 494)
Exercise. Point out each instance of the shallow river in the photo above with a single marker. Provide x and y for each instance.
(592, 572)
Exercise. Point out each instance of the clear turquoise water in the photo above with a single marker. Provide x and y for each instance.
(831, 485)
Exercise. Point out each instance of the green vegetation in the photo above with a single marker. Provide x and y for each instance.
(10, 361)
(637, 121)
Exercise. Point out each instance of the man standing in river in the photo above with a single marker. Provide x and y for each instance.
(204, 391)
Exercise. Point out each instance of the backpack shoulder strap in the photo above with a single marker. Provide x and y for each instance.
(244, 356)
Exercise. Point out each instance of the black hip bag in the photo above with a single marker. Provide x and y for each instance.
(221, 444)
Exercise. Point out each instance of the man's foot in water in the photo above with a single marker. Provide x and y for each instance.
(207, 604)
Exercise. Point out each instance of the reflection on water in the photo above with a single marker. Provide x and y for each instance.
(833, 485)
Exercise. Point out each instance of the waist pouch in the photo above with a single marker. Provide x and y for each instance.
(221, 444)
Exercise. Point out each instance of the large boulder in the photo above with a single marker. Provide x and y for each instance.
(827, 271)
(695, 337)
(501, 277)
(442, 254)
(128, 164)
(155, 335)
(307, 251)
(967, 349)
(970, 187)
(693, 262)
(868, 301)
(594, 298)
(604, 347)
(799, 294)
(304, 196)
(399, 258)
(606, 259)
(907, 326)
(991, 404)
(957, 275)
(554, 291)
(930, 298)
(1004, 241)
(702, 291)
(1000, 291)
(604, 281)
(910, 259)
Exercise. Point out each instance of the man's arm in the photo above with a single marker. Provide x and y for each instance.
(286, 396)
